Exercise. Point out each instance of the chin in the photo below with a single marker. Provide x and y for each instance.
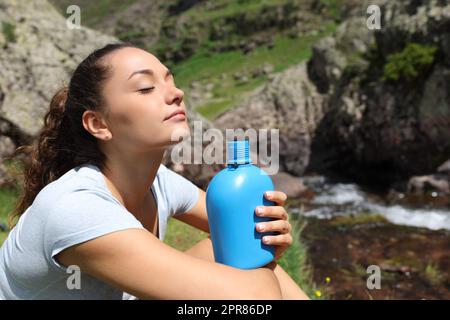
(182, 132)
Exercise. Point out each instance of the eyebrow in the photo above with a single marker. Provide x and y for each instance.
(148, 72)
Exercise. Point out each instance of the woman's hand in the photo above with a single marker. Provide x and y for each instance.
(280, 224)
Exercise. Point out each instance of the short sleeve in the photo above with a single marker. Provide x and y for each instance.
(182, 194)
(80, 216)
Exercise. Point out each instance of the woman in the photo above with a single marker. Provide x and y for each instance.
(97, 198)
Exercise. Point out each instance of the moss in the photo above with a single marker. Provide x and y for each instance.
(410, 63)
(8, 30)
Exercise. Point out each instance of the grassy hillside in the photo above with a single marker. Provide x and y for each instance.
(218, 48)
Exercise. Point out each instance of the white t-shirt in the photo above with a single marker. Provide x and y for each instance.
(73, 209)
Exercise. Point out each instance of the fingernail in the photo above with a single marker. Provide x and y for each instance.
(266, 240)
(260, 210)
(269, 194)
(261, 227)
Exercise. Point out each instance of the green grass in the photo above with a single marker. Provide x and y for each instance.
(295, 262)
(8, 198)
(182, 236)
(226, 8)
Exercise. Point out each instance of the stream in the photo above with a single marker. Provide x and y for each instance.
(348, 228)
(337, 199)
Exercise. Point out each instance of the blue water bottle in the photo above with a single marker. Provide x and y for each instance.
(231, 199)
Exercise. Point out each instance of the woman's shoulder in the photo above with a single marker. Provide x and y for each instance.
(82, 183)
(179, 193)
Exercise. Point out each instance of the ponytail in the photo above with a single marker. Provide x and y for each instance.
(63, 143)
(45, 153)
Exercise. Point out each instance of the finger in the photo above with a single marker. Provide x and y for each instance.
(276, 196)
(283, 239)
(272, 212)
(282, 226)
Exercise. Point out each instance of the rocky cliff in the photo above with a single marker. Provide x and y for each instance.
(372, 105)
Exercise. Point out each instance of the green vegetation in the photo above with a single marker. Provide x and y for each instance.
(227, 8)
(331, 8)
(8, 198)
(219, 68)
(433, 274)
(204, 43)
(295, 262)
(410, 63)
(182, 236)
(352, 220)
(8, 30)
(93, 12)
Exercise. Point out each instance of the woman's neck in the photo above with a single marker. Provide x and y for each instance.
(129, 179)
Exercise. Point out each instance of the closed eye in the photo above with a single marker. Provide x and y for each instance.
(146, 90)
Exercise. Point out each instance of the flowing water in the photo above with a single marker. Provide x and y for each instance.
(349, 228)
(340, 199)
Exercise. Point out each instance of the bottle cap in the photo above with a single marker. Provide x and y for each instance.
(238, 152)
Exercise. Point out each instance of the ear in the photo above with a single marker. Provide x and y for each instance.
(94, 123)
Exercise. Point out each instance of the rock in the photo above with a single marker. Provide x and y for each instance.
(289, 102)
(332, 55)
(292, 186)
(36, 64)
(39, 61)
(422, 184)
(444, 168)
(439, 181)
(376, 131)
(3, 227)
(35, 61)
(6, 148)
(265, 69)
(326, 64)
(240, 77)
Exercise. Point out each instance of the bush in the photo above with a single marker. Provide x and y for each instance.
(414, 60)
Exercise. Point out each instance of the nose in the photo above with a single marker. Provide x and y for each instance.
(175, 96)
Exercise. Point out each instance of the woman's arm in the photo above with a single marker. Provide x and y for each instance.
(140, 264)
(197, 216)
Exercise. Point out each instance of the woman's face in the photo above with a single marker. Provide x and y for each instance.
(140, 97)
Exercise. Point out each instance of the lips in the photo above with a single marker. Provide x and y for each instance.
(175, 113)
